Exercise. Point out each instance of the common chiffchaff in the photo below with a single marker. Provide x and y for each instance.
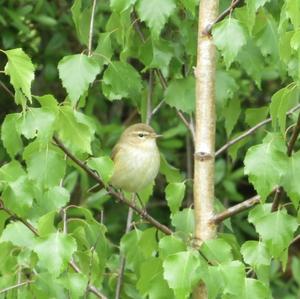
(136, 158)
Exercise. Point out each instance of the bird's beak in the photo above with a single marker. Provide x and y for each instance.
(157, 136)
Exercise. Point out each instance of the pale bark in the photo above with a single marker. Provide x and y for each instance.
(205, 131)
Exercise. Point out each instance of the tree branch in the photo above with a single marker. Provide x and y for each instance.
(251, 131)
(7, 89)
(118, 195)
(294, 137)
(21, 284)
(91, 28)
(220, 17)
(236, 209)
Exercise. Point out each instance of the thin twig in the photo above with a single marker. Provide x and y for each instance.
(91, 28)
(7, 89)
(156, 108)
(277, 199)
(123, 260)
(111, 190)
(221, 16)
(251, 131)
(21, 284)
(149, 98)
(245, 205)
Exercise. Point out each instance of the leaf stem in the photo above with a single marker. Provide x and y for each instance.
(18, 285)
(91, 29)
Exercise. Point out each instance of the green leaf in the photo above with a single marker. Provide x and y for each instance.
(46, 224)
(276, 229)
(266, 164)
(255, 253)
(233, 274)
(38, 122)
(129, 247)
(256, 115)
(281, 102)
(77, 72)
(171, 173)
(121, 80)
(81, 20)
(75, 134)
(151, 280)
(45, 165)
(290, 181)
(181, 270)
(217, 251)
(75, 283)
(180, 94)
(18, 234)
(184, 221)
(190, 5)
(18, 196)
(223, 33)
(226, 87)
(252, 61)
(255, 289)
(54, 252)
(104, 166)
(11, 171)
(21, 71)
(174, 195)
(10, 136)
(155, 13)
(104, 51)
(293, 12)
(53, 199)
(148, 242)
(170, 245)
(121, 5)
(231, 114)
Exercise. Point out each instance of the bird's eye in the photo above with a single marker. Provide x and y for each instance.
(141, 135)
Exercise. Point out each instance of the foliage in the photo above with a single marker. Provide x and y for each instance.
(64, 240)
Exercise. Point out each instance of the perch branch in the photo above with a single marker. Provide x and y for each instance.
(118, 195)
(91, 28)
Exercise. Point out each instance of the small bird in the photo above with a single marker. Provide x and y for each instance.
(136, 158)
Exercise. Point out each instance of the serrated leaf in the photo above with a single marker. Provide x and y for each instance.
(190, 5)
(38, 122)
(281, 102)
(10, 135)
(265, 164)
(255, 289)
(171, 173)
(151, 281)
(155, 13)
(45, 165)
(75, 134)
(18, 196)
(180, 94)
(21, 71)
(222, 34)
(75, 283)
(121, 5)
(231, 114)
(18, 234)
(121, 80)
(217, 251)
(54, 252)
(148, 242)
(103, 51)
(11, 171)
(256, 115)
(170, 245)
(181, 270)
(290, 181)
(184, 221)
(255, 253)
(275, 229)
(104, 166)
(174, 195)
(77, 72)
